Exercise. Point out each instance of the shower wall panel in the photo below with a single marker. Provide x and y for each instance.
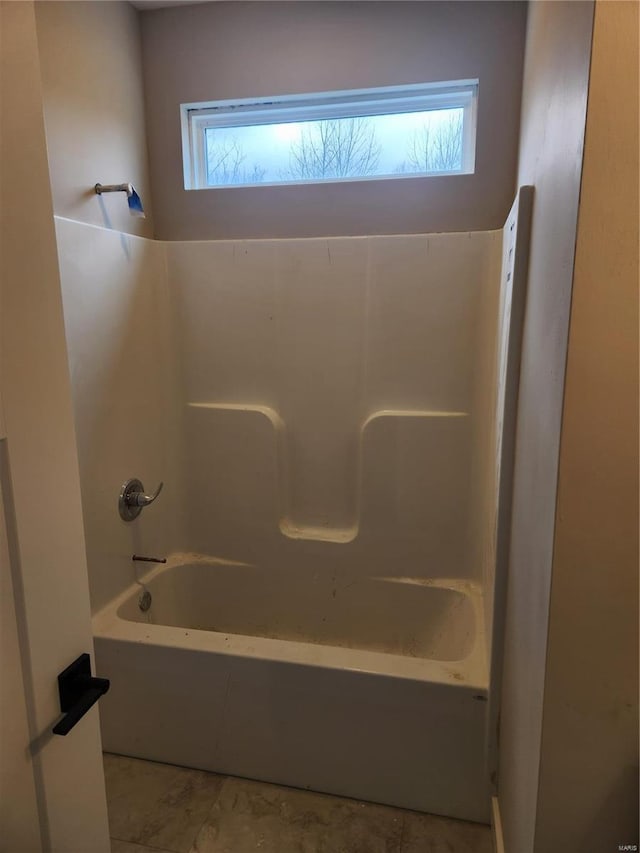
(331, 398)
(315, 405)
(122, 362)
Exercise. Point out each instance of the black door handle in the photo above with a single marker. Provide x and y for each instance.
(78, 691)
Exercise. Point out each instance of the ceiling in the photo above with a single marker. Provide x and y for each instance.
(161, 4)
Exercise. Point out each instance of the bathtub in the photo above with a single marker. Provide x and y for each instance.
(366, 687)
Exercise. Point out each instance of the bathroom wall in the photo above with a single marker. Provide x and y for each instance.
(94, 109)
(123, 374)
(552, 133)
(588, 796)
(18, 803)
(299, 358)
(330, 398)
(40, 487)
(246, 49)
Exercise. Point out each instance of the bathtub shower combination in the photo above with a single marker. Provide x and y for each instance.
(326, 415)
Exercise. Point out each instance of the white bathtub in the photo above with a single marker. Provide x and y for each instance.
(373, 688)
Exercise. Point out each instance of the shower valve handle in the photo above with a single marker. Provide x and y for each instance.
(140, 499)
(133, 499)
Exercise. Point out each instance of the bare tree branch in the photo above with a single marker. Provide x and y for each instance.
(436, 148)
(224, 160)
(255, 176)
(224, 164)
(335, 148)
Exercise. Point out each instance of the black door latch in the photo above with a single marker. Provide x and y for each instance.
(78, 691)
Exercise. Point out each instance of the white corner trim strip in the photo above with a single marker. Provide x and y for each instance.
(496, 826)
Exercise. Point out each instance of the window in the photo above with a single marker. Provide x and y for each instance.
(394, 132)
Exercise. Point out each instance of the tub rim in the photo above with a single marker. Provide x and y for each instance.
(469, 672)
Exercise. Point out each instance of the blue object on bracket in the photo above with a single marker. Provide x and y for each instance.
(135, 203)
(133, 199)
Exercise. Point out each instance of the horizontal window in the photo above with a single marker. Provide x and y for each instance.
(394, 132)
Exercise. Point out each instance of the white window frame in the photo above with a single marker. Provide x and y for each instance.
(197, 117)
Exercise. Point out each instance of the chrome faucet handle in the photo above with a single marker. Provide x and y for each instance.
(138, 498)
(132, 499)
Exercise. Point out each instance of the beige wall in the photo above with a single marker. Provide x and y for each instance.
(243, 49)
(19, 819)
(588, 799)
(552, 132)
(40, 480)
(94, 109)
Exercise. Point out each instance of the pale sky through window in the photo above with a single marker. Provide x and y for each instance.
(395, 144)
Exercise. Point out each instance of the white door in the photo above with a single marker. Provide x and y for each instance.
(42, 545)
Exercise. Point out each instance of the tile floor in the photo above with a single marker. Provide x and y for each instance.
(159, 808)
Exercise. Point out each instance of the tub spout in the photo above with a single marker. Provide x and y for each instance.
(139, 559)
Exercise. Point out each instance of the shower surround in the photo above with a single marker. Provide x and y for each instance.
(321, 411)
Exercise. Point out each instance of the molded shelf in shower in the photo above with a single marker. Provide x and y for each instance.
(396, 460)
